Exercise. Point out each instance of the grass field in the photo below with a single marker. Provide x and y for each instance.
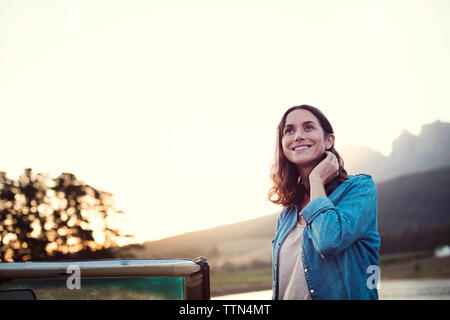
(414, 265)
(241, 281)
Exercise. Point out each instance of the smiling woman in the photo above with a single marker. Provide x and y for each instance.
(326, 238)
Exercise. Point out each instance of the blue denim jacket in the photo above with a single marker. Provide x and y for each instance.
(340, 250)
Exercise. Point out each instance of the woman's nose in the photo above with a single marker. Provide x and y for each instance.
(299, 135)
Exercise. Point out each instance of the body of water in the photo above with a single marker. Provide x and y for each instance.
(407, 289)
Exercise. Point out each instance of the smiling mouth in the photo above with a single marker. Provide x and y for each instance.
(300, 149)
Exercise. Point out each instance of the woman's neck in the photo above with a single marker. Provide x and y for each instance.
(304, 176)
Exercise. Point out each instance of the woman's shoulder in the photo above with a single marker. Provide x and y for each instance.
(359, 178)
(362, 180)
(353, 180)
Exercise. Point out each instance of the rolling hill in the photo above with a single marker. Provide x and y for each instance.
(416, 199)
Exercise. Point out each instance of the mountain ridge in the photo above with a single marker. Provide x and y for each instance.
(410, 153)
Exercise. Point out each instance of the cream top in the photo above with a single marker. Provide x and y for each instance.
(292, 284)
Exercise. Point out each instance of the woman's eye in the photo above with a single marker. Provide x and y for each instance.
(309, 127)
(288, 130)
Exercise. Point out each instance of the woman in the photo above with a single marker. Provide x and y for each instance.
(326, 244)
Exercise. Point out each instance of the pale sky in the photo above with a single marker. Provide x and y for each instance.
(172, 105)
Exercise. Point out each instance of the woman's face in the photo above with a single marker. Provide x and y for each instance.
(303, 138)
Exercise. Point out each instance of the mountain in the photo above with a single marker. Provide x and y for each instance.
(429, 150)
(419, 199)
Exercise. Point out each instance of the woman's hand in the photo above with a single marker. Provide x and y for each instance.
(326, 170)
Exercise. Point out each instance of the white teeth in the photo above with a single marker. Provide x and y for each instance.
(300, 148)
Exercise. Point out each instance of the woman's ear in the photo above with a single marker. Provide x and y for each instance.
(329, 141)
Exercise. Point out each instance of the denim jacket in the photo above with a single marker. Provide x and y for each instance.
(340, 251)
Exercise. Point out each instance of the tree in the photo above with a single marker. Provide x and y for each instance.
(42, 218)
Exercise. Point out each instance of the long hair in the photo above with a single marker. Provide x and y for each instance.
(288, 190)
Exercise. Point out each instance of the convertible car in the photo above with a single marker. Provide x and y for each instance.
(137, 279)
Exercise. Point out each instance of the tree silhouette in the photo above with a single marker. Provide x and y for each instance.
(43, 218)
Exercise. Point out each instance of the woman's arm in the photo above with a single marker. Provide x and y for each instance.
(334, 228)
(317, 189)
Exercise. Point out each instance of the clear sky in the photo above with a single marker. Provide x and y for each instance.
(172, 105)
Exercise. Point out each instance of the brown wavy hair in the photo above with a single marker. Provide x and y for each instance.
(288, 190)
